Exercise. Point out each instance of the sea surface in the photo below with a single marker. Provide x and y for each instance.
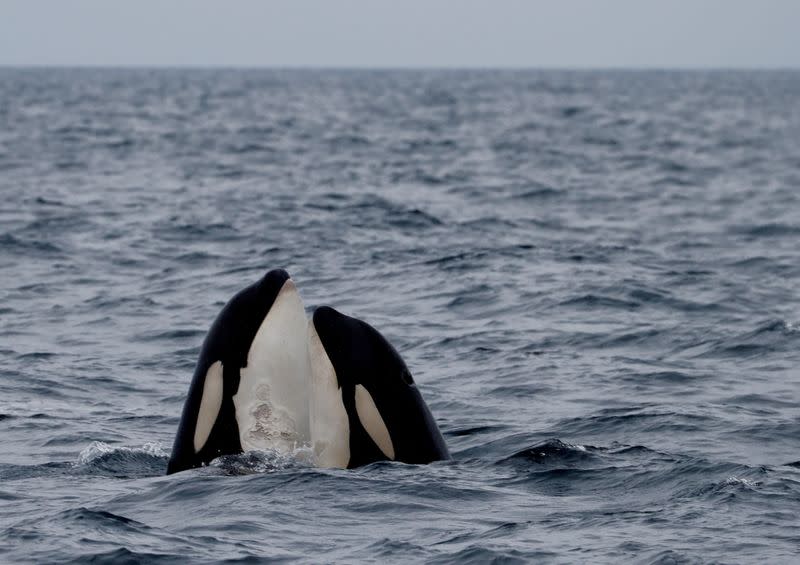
(593, 276)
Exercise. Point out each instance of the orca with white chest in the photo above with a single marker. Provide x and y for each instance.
(250, 385)
(364, 404)
(268, 379)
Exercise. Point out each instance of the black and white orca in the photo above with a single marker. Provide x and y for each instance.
(249, 389)
(269, 379)
(365, 406)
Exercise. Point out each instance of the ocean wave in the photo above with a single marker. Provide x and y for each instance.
(99, 458)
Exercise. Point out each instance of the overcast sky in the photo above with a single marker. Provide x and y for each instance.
(402, 33)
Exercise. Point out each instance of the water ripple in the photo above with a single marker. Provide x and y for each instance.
(592, 276)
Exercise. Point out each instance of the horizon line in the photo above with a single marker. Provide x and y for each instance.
(304, 67)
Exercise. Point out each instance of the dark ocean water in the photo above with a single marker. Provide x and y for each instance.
(592, 275)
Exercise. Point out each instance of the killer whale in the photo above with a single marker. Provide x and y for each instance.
(365, 404)
(249, 386)
(267, 378)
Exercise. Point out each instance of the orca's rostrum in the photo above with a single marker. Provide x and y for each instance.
(269, 379)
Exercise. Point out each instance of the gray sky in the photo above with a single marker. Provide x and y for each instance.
(402, 33)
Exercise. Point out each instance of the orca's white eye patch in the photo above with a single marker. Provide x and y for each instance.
(372, 421)
(210, 404)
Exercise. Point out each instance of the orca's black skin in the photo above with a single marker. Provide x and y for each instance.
(361, 355)
(228, 341)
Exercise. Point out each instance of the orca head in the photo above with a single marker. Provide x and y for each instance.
(362, 391)
(257, 343)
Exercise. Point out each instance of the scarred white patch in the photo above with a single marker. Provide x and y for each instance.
(272, 399)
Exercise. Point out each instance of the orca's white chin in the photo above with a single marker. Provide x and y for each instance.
(330, 428)
(272, 399)
(288, 394)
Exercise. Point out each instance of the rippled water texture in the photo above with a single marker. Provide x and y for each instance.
(592, 276)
